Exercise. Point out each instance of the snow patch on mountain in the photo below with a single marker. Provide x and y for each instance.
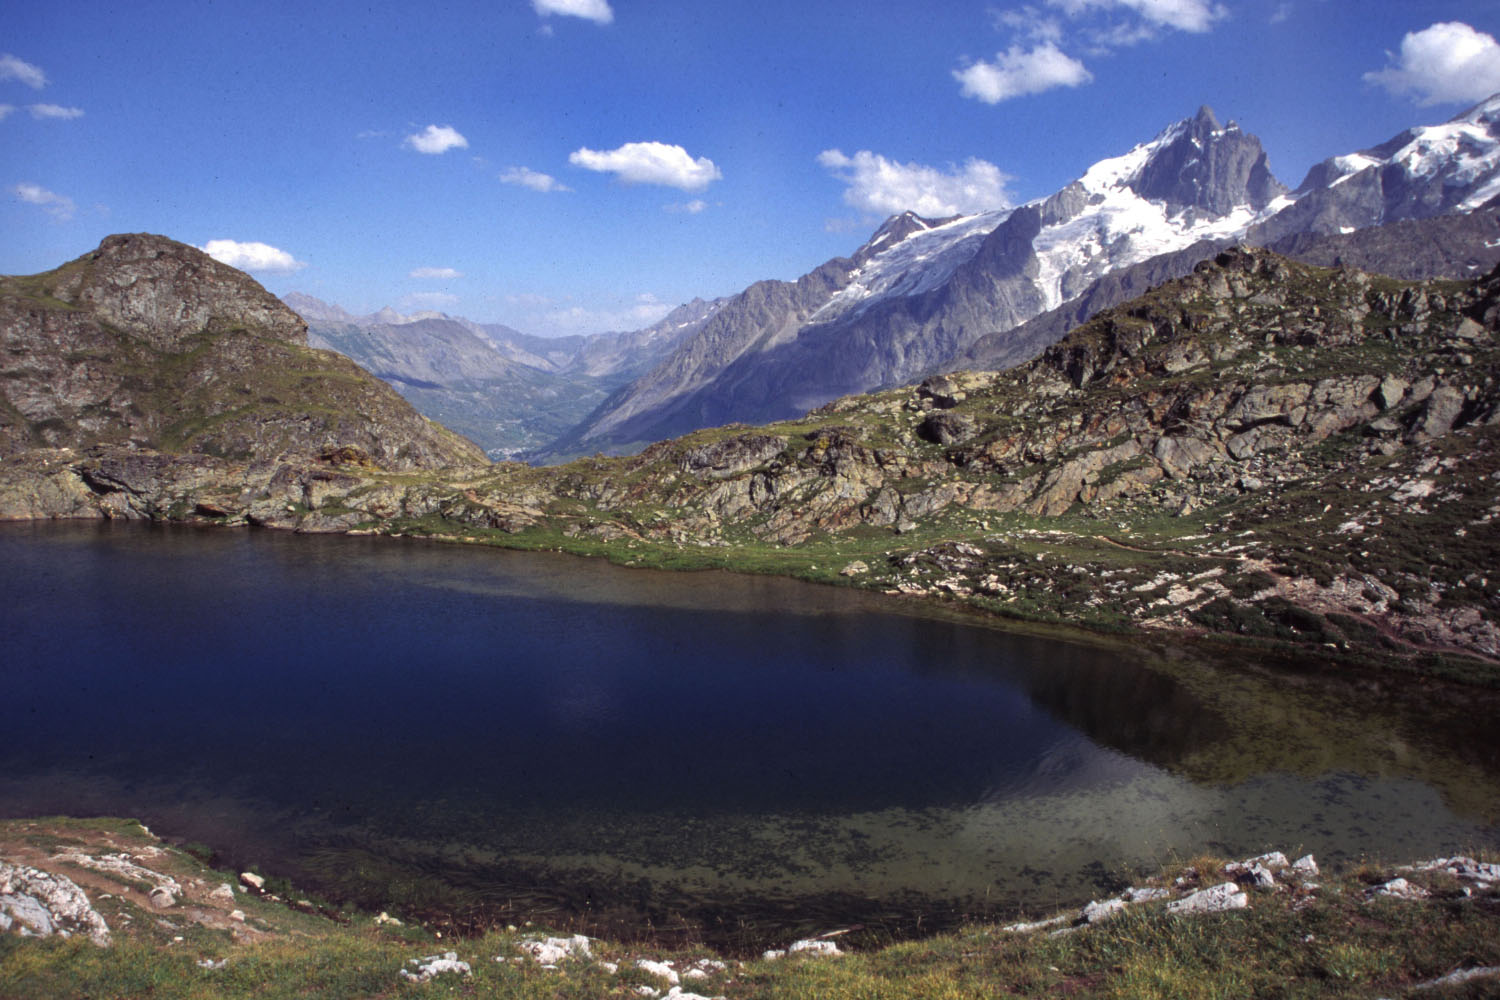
(921, 262)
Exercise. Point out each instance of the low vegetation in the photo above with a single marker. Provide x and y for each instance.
(1328, 935)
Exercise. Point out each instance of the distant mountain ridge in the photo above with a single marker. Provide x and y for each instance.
(508, 391)
(922, 293)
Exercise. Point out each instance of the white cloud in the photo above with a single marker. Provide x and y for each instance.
(436, 139)
(12, 68)
(650, 163)
(428, 300)
(252, 256)
(1017, 71)
(884, 187)
(534, 179)
(54, 111)
(60, 207)
(1032, 23)
(597, 11)
(1448, 61)
(5, 110)
(1185, 15)
(689, 207)
(1282, 12)
(443, 273)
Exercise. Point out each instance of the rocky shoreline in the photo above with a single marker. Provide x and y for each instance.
(105, 881)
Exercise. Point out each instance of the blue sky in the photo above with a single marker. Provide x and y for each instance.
(579, 165)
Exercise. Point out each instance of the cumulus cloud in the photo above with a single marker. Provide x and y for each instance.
(597, 11)
(884, 187)
(534, 179)
(443, 273)
(1185, 15)
(258, 257)
(650, 163)
(54, 111)
(12, 68)
(1446, 62)
(1019, 71)
(436, 139)
(60, 207)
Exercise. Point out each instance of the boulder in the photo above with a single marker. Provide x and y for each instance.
(1215, 899)
(37, 903)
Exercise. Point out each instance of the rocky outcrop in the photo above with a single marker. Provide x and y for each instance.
(38, 903)
(152, 345)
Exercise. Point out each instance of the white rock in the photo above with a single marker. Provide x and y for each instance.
(253, 880)
(1275, 861)
(208, 963)
(694, 973)
(646, 991)
(1145, 895)
(1098, 912)
(237, 915)
(1305, 865)
(435, 965)
(1460, 867)
(385, 918)
(813, 946)
(554, 949)
(47, 903)
(662, 969)
(162, 898)
(677, 993)
(122, 865)
(225, 891)
(1037, 925)
(608, 967)
(1253, 872)
(773, 954)
(1398, 888)
(1215, 899)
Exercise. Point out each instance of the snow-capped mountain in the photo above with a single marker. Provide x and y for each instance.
(1423, 172)
(922, 292)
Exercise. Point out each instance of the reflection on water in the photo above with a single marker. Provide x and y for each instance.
(502, 733)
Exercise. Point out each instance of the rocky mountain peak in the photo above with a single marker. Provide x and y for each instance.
(895, 229)
(1201, 164)
(165, 292)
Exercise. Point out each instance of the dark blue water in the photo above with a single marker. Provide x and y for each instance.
(503, 721)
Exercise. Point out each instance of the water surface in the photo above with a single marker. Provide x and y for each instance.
(510, 735)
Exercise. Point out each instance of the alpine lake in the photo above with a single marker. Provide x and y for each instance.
(474, 736)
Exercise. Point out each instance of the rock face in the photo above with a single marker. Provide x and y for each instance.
(148, 343)
(164, 293)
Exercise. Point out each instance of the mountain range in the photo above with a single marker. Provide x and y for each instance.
(508, 391)
(926, 295)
